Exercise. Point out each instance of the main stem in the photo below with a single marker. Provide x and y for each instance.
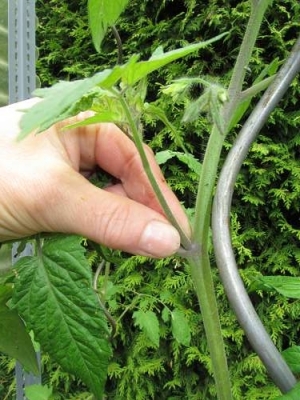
(201, 270)
(200, 265)
(199, 259)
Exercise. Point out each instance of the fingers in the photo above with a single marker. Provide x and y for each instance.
(43, 190)
(116, 153)
(113, 220)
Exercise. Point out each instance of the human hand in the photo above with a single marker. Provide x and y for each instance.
(44, 189)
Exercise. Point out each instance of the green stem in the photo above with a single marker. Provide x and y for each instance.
(200, 265)
(256, 88)
(201, 270)
(206, 185)
(185, 241)
(199, 260)
(258, 9)
(203, 283)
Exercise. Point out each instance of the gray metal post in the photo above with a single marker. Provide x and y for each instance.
(3, 53)
(233, 284)
(21, 49)
(22, 82)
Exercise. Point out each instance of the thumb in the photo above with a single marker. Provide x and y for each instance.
(113, 220)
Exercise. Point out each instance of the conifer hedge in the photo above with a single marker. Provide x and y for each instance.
(265, 213)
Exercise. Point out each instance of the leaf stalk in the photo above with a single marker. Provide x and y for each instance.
(185, 241)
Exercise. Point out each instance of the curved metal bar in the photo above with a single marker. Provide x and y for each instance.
(236, 292)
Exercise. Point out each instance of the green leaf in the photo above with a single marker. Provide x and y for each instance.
(293, 394)
(102, 14)
(6, 292)
(96, 119)
(135, 71)
(54, 295)
(194, 165)
(270, 70)
(155, 113)
(292, 357)
(194, 108)
(209, 102)
(5, 257)
(38, 392)
(148, 322)
(60, 101)
(288, 286)
(163, 156)
(180, 328)
(165, 314)
(14, 339)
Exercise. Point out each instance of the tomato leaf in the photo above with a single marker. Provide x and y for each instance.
(137, 70)
(165, 314)
(269, 70)
(66, 99)
(156, 113)
(102, 14)
(61, 101)
(292, 357)
(180, 328)
(288, 286)
(194, 165)
(14, 339)
(148, 322)
(38, 392)
(293, 394)
(5, 258)
(54, 295)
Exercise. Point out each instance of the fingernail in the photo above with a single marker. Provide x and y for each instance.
(159, 239)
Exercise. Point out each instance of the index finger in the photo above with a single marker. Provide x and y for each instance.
(115, 153)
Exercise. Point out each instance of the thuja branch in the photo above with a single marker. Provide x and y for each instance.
(184, 239)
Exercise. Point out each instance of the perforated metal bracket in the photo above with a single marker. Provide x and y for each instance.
(233, 284)
(21, 49)
(22, 82)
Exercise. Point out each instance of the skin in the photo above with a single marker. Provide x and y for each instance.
(44, 187)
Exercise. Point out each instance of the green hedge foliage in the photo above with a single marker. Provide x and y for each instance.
(265, 213)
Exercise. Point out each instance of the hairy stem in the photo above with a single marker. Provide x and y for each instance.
(256, 88)
(201, 270)
(119, 44)
(200, 265)
(185, 241)
(101, 302)
(258, 9)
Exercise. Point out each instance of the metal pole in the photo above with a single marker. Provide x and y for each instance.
(22, 82)
(233, 284)
(3, 53)
(21, 50)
